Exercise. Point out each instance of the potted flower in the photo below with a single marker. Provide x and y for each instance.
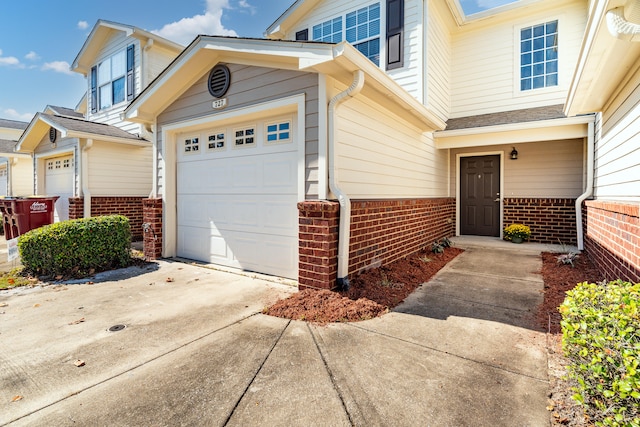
(517, 233)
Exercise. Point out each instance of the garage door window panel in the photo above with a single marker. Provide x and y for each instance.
(191, 145)
(216, 141)
(278, 133)
(245, 137)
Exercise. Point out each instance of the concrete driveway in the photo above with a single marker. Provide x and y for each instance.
(196, 350)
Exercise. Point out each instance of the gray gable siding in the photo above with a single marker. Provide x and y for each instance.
(252, 85)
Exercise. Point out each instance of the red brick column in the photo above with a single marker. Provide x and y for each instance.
(152, 228)
(612, 238)
(76, 207)
(318, 244)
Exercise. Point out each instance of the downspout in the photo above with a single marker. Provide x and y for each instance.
(589, 187)
(345, 203)
(13, 161)
(86, 193)
(620, 28)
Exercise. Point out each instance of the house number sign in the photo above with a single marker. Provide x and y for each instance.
(219, 104)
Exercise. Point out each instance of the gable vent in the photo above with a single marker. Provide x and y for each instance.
(219, 80)
(52, 134)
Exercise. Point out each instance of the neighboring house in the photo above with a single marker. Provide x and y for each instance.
(420, 122)
(16, 170)
(607, 80)
(97, 163)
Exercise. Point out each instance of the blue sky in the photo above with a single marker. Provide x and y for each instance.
(40, 38)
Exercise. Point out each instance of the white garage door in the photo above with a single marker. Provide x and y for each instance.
(59, 182)
(3, 180)
(237, 193)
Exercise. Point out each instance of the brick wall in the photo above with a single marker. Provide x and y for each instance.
(131, 207)
(383, 231)
(551, 220)
(152, 215)
(612, 238)
(318, 223)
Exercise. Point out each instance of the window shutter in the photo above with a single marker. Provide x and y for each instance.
(94, 89)
(303, 34)
(130, 67)
(395, 34)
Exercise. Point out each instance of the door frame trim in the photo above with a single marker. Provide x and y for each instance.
(459, 156)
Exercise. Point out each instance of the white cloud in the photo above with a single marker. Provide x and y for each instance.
(59, 67)
(210, 23)
(32, 56)
(244, 4)
(9, 60)
(12, 114)
(83, 25)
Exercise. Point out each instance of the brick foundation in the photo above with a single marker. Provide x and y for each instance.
(551, 221)
(152, 215)
(612, 238)
(318, 223)
(382, 231)
(131, 207)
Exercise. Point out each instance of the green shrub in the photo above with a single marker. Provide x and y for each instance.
(601, 337)
(76, 247)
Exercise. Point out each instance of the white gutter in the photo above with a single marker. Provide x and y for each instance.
(620, 28)
(589, 187)
(345, 203)
(86, 193)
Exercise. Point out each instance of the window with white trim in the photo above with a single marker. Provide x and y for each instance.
(278, 132)
(216, 141)
(362, 29)
(245, 136)
(111, 81)
(539, 56)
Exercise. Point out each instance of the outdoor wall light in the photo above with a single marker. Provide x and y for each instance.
(514, 154)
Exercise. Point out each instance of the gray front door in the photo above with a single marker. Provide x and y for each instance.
(479, 196)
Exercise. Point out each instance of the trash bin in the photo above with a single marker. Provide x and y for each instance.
(22, 214)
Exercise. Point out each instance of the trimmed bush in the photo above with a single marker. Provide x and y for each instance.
(77, 247)
(601, 337)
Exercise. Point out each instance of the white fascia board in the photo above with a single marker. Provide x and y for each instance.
(289, 17)
(105, 138)
(515, 133)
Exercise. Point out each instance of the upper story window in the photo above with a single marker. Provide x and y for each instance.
(111, 81)
(362, 29)
(539, 56)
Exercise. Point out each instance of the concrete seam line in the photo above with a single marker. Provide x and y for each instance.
(331, 376)
(173, 350)
(544, 380)
(244, 392)
(450, 296)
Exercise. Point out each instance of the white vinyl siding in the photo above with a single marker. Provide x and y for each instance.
(22, 177)
(253, 85)
(379, 155)
(486, 63)
(438, 54)
(119, 170)
(552, 169)
(617, 154)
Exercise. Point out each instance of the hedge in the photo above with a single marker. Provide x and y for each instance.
(601, 337)
(77, 247)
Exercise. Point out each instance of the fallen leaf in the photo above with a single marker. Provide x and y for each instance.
(550, 408)
(59, 277)
(89, 283)
(36, 305)
(75, 322)
(11, 281)
(16, 398)
(170, 279)
(3, 304)
(79, 363)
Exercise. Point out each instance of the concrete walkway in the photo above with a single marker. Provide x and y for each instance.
(196, 350)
